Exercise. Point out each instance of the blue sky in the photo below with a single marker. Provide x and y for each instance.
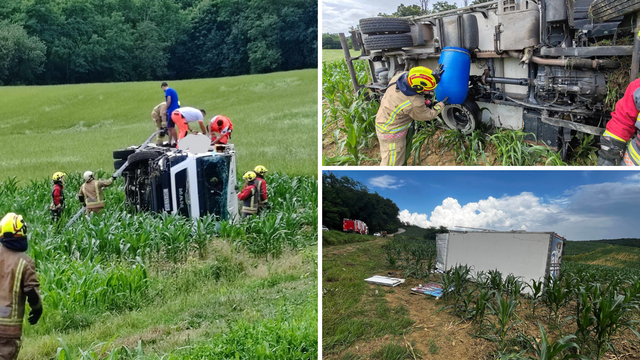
(581, 205)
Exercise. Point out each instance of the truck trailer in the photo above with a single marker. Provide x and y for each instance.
(355, 226)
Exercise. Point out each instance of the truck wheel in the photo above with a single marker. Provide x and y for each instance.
(118, 164)
(135, 158)
(604, 10)
(384, 42)
(384, 25)
(122, 154)
(462, 117)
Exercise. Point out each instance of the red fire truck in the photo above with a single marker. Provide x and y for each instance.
(356, 226)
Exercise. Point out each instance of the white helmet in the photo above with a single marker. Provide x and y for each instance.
(88, 175)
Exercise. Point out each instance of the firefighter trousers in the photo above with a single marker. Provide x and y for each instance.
(392, 148)
(9, 349)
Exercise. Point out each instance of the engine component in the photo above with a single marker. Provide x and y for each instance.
(553, 81)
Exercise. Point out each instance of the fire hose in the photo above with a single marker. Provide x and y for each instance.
(116, 174)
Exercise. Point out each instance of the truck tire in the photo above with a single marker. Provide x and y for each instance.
(604, 10)
(384, 25)
(140, 156)
(384, 42)
(462, 117)
(122, 154)
(118, 163)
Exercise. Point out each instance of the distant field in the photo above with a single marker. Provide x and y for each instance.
(336, 54)
(75, 127)
(338, 238)
(603, 254)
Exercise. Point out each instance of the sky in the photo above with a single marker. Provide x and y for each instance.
(339, 15)
(579, 205)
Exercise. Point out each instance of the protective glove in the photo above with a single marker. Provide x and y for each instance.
(114, 177)
(81, 199)
(439, 106)
(163, 132)
(35, 315)
(611, 151)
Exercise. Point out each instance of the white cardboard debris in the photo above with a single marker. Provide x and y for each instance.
(384, 281)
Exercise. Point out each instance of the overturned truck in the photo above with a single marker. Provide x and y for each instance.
(160, 179)
(536, 65)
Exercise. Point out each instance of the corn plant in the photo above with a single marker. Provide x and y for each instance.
(556, 350)
(611, 314)
(505, 313)
(536, 292)
(481, 302)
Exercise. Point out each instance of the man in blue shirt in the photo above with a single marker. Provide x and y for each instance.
(171, 98)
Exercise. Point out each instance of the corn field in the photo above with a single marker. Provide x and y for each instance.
(348, 124)
(105, 264)
(588, 312)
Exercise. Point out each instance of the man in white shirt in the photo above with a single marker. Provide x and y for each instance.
(185, 115)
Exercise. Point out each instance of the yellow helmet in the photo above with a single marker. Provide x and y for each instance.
(420, 79)
(58, 176)
(249, 176)
(12, 226)
(260, 170)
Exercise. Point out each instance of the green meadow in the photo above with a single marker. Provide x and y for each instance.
(76, 127)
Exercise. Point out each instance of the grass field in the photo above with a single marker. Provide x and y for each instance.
(336, 54)
(75, 127)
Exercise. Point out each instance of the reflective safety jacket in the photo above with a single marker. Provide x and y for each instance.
(221, 132)
(17, 277)
(250, 197)
(262, 185)
(625, 121)
(398, 110)
(92, 192)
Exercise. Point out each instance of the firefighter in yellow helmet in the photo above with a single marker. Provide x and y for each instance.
(250, 195)
(402, 103)
(91, 192)
(261, 171)
(18, 284)
(57, 196)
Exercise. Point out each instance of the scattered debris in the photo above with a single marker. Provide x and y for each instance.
(433, 289)
(384, 281)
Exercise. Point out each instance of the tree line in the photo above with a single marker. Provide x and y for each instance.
(346, 198)
(79, 41)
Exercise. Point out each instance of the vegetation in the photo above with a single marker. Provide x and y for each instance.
(145, 284)
(337, 237)
(77, 41)
(348, 125)
(345, 198)
(273, 122)
(588, 312)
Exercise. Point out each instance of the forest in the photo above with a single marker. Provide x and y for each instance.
(44, 42)
(345, 198)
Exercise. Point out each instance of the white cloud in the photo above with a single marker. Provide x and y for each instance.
(386, 182)
(588, 212)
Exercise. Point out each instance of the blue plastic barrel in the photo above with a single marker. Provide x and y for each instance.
(454, 83)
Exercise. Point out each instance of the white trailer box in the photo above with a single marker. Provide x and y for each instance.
(530, 255)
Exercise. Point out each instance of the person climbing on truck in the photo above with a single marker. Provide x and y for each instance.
(401, 104)
(91, 193)
(57, 195)
(620, 143)
(250, 195)
(185, 115)
(18, 284)
(261, 171)
(173, 103)
(220, 128)
(159, 116)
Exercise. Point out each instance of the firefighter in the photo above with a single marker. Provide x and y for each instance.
(57, 195)
(91, 192)
(173, 103)
(620, 143)
(261, 171)
(159, 116)
(18, 284)
(250, 195)
(402, 103)
(185, 115)
(220, 128)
